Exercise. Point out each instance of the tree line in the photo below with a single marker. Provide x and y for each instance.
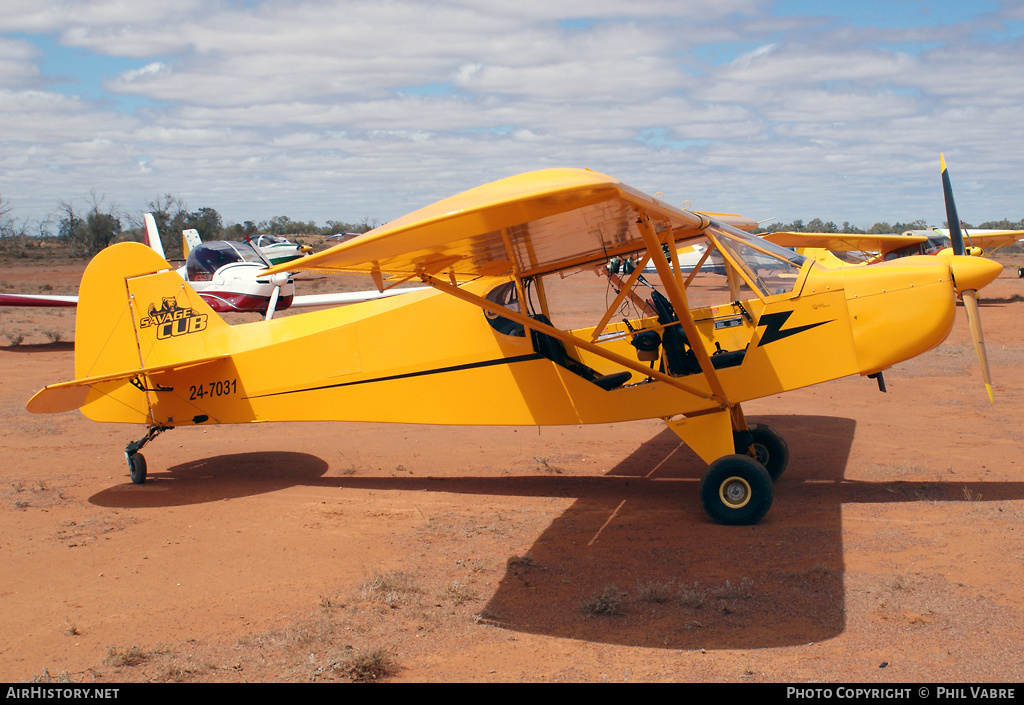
(817, 225)
(84, 228)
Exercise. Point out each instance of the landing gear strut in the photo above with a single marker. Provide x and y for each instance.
(137, 461)
(765, 445)
(743, 462)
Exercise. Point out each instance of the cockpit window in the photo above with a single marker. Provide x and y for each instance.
(908, 251)
(766, 267)
(508, 296)
(205, 259)
(934, 244)
(267, 240)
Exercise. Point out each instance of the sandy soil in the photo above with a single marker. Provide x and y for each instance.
(894, 550)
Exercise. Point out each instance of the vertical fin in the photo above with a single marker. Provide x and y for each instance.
(190, 239)
(152, 235)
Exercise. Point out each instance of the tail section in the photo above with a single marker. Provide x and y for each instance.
(152, 235)
(139, 324)
(189, 239)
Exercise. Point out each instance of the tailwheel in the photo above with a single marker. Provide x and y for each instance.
(137, 467)
(736, 490)
(136, 461)
(768, 448)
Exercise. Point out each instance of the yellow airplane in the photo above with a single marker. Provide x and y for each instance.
(493, 342)
(873, 248)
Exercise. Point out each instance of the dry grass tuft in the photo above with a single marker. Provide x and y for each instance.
(607, 602)
(364, 665)
(132, 656)
(392, 588)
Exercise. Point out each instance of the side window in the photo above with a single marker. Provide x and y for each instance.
(508, 296)
(908, 251)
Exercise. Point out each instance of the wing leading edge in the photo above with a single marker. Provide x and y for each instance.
(526, 225)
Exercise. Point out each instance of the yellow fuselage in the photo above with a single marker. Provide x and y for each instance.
(426, 357)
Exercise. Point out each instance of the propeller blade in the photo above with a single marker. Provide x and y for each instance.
(272, 306)
(952, 219)
(968, 277)
(974, 319)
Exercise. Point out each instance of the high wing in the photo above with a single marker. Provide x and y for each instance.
(38, 300)
(527, 225)
(988, 240)
(885, 244)
(339, 299)
(844, 242)
(347, 297)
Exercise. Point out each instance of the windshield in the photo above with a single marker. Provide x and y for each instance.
(766, 267)
(268, 240)
(205, 259)
(934, 244)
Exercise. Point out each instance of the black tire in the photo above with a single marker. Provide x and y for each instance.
(1020, 272)
(137, 468)
(769, 449)
(736, 490)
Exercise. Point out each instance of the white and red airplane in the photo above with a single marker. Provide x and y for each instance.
(227, 276)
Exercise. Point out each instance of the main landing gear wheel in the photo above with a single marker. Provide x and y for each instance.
(736, 490)
(137, 467)
(768, 448)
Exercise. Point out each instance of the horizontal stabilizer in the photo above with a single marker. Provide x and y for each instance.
(68, 396)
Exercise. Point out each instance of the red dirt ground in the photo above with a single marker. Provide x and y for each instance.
(894, 551)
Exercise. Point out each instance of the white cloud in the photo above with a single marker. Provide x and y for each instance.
(350, 109)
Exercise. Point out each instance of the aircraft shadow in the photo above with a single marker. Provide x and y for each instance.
(65, 346)
(215, 479)
(680, 580)
(638, 542)
(1016, 298)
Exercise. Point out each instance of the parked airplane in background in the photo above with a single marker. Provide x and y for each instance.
(870, 248)
(229, 276)
(480, 346)
(278, 250)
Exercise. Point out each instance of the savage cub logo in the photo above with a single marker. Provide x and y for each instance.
(170, 320)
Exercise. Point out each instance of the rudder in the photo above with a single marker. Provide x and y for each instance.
(134, 311)
(137, 318)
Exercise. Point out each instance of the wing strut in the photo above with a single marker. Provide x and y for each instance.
(676, 294)
(566, 338)
(624, 290)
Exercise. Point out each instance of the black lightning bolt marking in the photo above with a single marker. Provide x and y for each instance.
(773, 323)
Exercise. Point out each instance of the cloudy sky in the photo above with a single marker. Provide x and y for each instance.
(344, 110)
